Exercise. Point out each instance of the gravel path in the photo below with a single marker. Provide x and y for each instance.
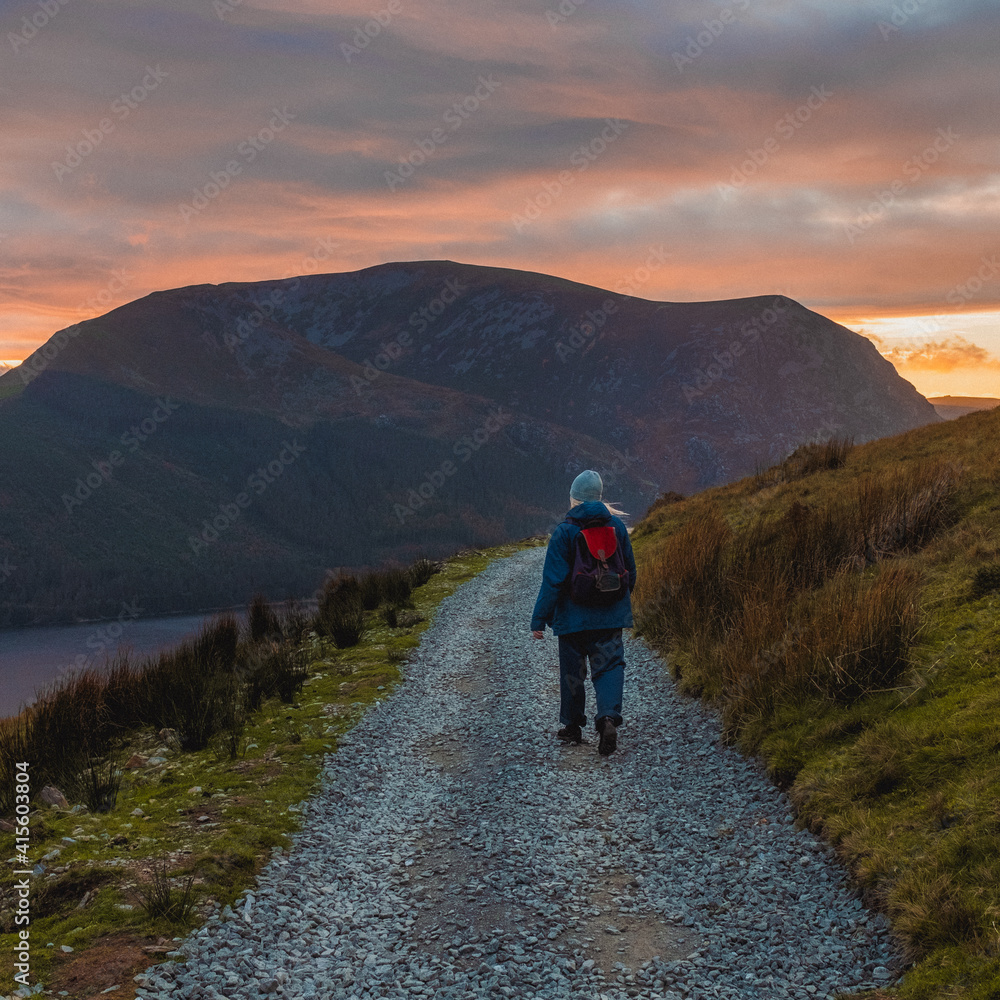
(457, 850)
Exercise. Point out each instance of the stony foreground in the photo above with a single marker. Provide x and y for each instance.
(457, 850)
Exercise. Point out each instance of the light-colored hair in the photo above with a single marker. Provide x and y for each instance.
(612, 509)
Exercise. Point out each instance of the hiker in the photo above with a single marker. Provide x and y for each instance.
(585, 598)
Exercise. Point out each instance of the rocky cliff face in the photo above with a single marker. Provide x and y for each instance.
(518, 379)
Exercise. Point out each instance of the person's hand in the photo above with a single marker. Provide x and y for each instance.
(538, 635)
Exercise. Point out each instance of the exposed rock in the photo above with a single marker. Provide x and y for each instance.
(51, 796)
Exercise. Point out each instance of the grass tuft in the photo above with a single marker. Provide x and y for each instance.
(987, 580)
(163, 899)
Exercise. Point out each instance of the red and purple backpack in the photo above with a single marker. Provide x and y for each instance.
(599, 576)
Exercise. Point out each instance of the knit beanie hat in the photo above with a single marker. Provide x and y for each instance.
(587, 486)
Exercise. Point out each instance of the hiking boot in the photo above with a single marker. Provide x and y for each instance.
(609, 736)
(570, 734)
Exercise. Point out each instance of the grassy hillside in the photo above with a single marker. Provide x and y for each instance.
(184, 827)
(841, 610)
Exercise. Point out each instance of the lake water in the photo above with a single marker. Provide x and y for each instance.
(31, 658)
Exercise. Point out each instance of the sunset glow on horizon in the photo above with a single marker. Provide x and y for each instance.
(839, 153)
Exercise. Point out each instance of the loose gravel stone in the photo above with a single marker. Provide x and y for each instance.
(457, 850)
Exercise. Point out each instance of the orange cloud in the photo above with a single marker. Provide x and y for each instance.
(936, 356)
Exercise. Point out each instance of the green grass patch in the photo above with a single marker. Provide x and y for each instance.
(10, 388)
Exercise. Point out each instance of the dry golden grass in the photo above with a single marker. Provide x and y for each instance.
(782, 605)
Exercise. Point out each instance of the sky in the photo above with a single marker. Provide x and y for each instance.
(844, 154)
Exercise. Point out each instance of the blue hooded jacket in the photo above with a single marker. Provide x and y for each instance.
(553, 606)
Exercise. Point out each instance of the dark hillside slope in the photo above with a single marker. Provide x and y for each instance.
(165, 529)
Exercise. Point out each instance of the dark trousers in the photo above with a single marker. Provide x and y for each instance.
(606, 652)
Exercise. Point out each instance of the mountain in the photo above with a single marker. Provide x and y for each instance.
(951, 407)
(204, 442)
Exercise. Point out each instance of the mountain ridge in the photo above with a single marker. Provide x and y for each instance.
(951, 407)
(441, 403)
